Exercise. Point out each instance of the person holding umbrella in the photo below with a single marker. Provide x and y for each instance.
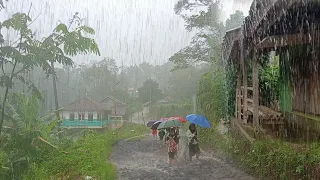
(172, 145)
(192, 135)
(161, 134)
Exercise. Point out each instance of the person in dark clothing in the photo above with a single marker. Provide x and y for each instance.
(192, 135)
(161, 134)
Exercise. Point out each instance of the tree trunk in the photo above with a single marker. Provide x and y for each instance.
(6, 96)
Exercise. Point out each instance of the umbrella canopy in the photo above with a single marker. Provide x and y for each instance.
(156, 124)
(199, 120)
(181, 119)
(163, 119)
(150, 123)
(169, 123)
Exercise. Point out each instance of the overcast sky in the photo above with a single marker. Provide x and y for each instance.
(130, 31)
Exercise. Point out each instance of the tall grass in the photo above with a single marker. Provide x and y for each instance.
(89, 156)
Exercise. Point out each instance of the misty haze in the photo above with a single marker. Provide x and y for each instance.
(159, 89)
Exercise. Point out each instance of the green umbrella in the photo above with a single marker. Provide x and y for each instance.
(170, 123)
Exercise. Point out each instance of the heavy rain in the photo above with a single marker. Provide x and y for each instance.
(159, 89)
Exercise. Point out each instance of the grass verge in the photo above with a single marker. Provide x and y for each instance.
(263, 158)
(89, 156)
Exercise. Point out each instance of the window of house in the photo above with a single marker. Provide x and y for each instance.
(71, 116)
(90, 116)
(81, 116)
(99, 116)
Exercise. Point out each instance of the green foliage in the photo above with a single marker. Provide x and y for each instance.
(200, 49)
(231, 83)
(269, 75)
(212, 95)
(183, 84)
(23, 127)
(74, 42)
(168, 110)
(235, 20)
(270, 158)
(89, 156)
(27, 53)
(204, 19)
(150, 92)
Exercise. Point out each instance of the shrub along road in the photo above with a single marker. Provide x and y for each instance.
(144, 158)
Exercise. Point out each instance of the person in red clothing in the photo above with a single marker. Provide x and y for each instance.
(154, 134)
(172, 145)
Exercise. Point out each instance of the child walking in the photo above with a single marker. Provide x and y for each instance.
(154, 134)
(172, 146)
(192, 135)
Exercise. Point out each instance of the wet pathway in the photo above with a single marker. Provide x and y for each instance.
(146, 159)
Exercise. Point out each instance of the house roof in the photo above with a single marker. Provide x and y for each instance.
(113, 99)
(84, 104)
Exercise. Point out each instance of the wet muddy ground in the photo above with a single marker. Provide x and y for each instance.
(147, 159)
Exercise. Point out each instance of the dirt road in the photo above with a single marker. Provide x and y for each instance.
(146, 159)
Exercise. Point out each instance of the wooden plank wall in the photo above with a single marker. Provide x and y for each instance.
(305, 77)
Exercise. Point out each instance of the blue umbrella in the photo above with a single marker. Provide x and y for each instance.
(199, 120)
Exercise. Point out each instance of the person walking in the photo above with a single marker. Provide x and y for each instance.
(172, 146)
(192, 135)
(154, 134)
(161, 134)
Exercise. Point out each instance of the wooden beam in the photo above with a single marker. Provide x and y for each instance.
(284, 40)
(244, 80)
(246, 135)
(255, 82)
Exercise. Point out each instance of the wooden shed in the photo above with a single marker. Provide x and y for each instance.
(291, 29)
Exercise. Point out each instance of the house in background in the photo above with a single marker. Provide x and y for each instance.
(116, 108)
(87, 113)
(83, 113)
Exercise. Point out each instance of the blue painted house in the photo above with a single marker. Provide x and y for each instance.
(84, 113)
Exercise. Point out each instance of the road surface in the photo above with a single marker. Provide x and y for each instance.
(147, 159)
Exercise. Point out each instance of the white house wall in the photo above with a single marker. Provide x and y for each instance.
(66, 114)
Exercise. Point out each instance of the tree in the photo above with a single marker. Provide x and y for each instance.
(150, 91)
(1, 4)
(27, 52)
(206, 44)
(99, 77)
(183, 84)
(209, 27)
(235, 20)
(19, 57)
(73, 43)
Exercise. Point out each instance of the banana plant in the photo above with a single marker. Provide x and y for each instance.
(24, 127)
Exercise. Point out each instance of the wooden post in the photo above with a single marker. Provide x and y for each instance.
(236, 104)
(244, 81)
(255, 83)
(238, 90)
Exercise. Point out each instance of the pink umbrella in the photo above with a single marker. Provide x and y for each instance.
(163, 119)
